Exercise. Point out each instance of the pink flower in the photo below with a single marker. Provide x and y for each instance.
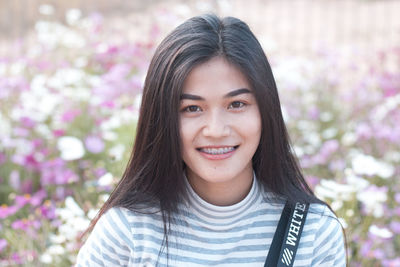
(391, 263)
(22, 132)
(21, 201)
(364, 131)
(3, 244)
(395, 226)
(312, 180)
(25, 224)
(378, 254)
(70, 115)
(94, 144)
(55, 172)
(2, 158)
(27, 186)
(390, 84)
(27, 122)
(20, 224)
(397, 197)
(314, 113)
(99, 172)
(58, 132)
(96, 20)
(108, 104)
(366, 249)
(48, 210)
(6, 211)
(38, 197)
(16, 258)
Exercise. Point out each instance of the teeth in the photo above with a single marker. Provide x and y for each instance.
(216, 151)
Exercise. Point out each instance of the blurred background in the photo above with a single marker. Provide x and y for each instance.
(71, 74)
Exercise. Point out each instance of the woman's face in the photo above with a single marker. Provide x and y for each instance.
(220, 126)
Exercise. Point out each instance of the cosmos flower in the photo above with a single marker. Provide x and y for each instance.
(94, 144)
(71, 148)
(3, 244)
(6, 211)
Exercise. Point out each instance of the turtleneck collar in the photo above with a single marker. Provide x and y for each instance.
(222, 217)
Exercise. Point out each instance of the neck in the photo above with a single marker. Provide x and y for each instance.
(222, 193)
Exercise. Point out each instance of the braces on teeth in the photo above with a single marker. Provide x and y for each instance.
(216, 151)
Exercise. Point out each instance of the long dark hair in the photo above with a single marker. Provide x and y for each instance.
(154, 174)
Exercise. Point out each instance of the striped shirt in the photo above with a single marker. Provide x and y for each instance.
(203, 234)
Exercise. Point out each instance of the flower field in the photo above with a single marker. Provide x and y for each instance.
(68, 109)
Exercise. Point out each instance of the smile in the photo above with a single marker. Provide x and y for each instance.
(217, 151)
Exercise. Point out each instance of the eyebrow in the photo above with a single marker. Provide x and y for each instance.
(230, 94)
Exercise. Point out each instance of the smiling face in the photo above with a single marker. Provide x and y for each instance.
(220, 129)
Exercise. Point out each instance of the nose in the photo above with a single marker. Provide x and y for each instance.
(216, 125)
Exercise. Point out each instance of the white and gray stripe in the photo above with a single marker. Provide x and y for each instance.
(207, 235)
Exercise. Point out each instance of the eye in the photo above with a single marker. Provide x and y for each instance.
(192, 109)
(236, 104)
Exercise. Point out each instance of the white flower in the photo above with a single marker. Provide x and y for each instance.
(109, 136)
(71, 148)
(23, 146)
(380, 232)
(326, 116)
(46, 258)
(17, 68)
(324, 193)
(384, 108)
(56, 250)
(71, 205)
(112, 123)
(349, 213)
(30, 99)
(92, 213)
(104, 197)
(57, 239)
(357, 182)
(73, 15)
(105, 180)
(74, 220)
(288, 76)
(65, 77)
(368, 165)
(392, 156)
(373, 201)
(329, 133)
(5, 127)
(44, 130)
(349, 139)
(52, 34)
(337, 204)
(299, 151)
(117, 152)
(312, 138)
(334, 190)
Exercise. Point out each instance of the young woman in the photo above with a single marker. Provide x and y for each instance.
(211, 168)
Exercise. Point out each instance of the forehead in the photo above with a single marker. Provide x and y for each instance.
(216, 75)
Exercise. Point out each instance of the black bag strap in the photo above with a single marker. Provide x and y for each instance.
(287, 236)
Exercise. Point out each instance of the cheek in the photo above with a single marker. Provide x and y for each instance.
(252, 126)
(187, 132)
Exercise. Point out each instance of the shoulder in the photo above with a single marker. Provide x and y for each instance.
(323, 218)
(329, 246)
(110, 242)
